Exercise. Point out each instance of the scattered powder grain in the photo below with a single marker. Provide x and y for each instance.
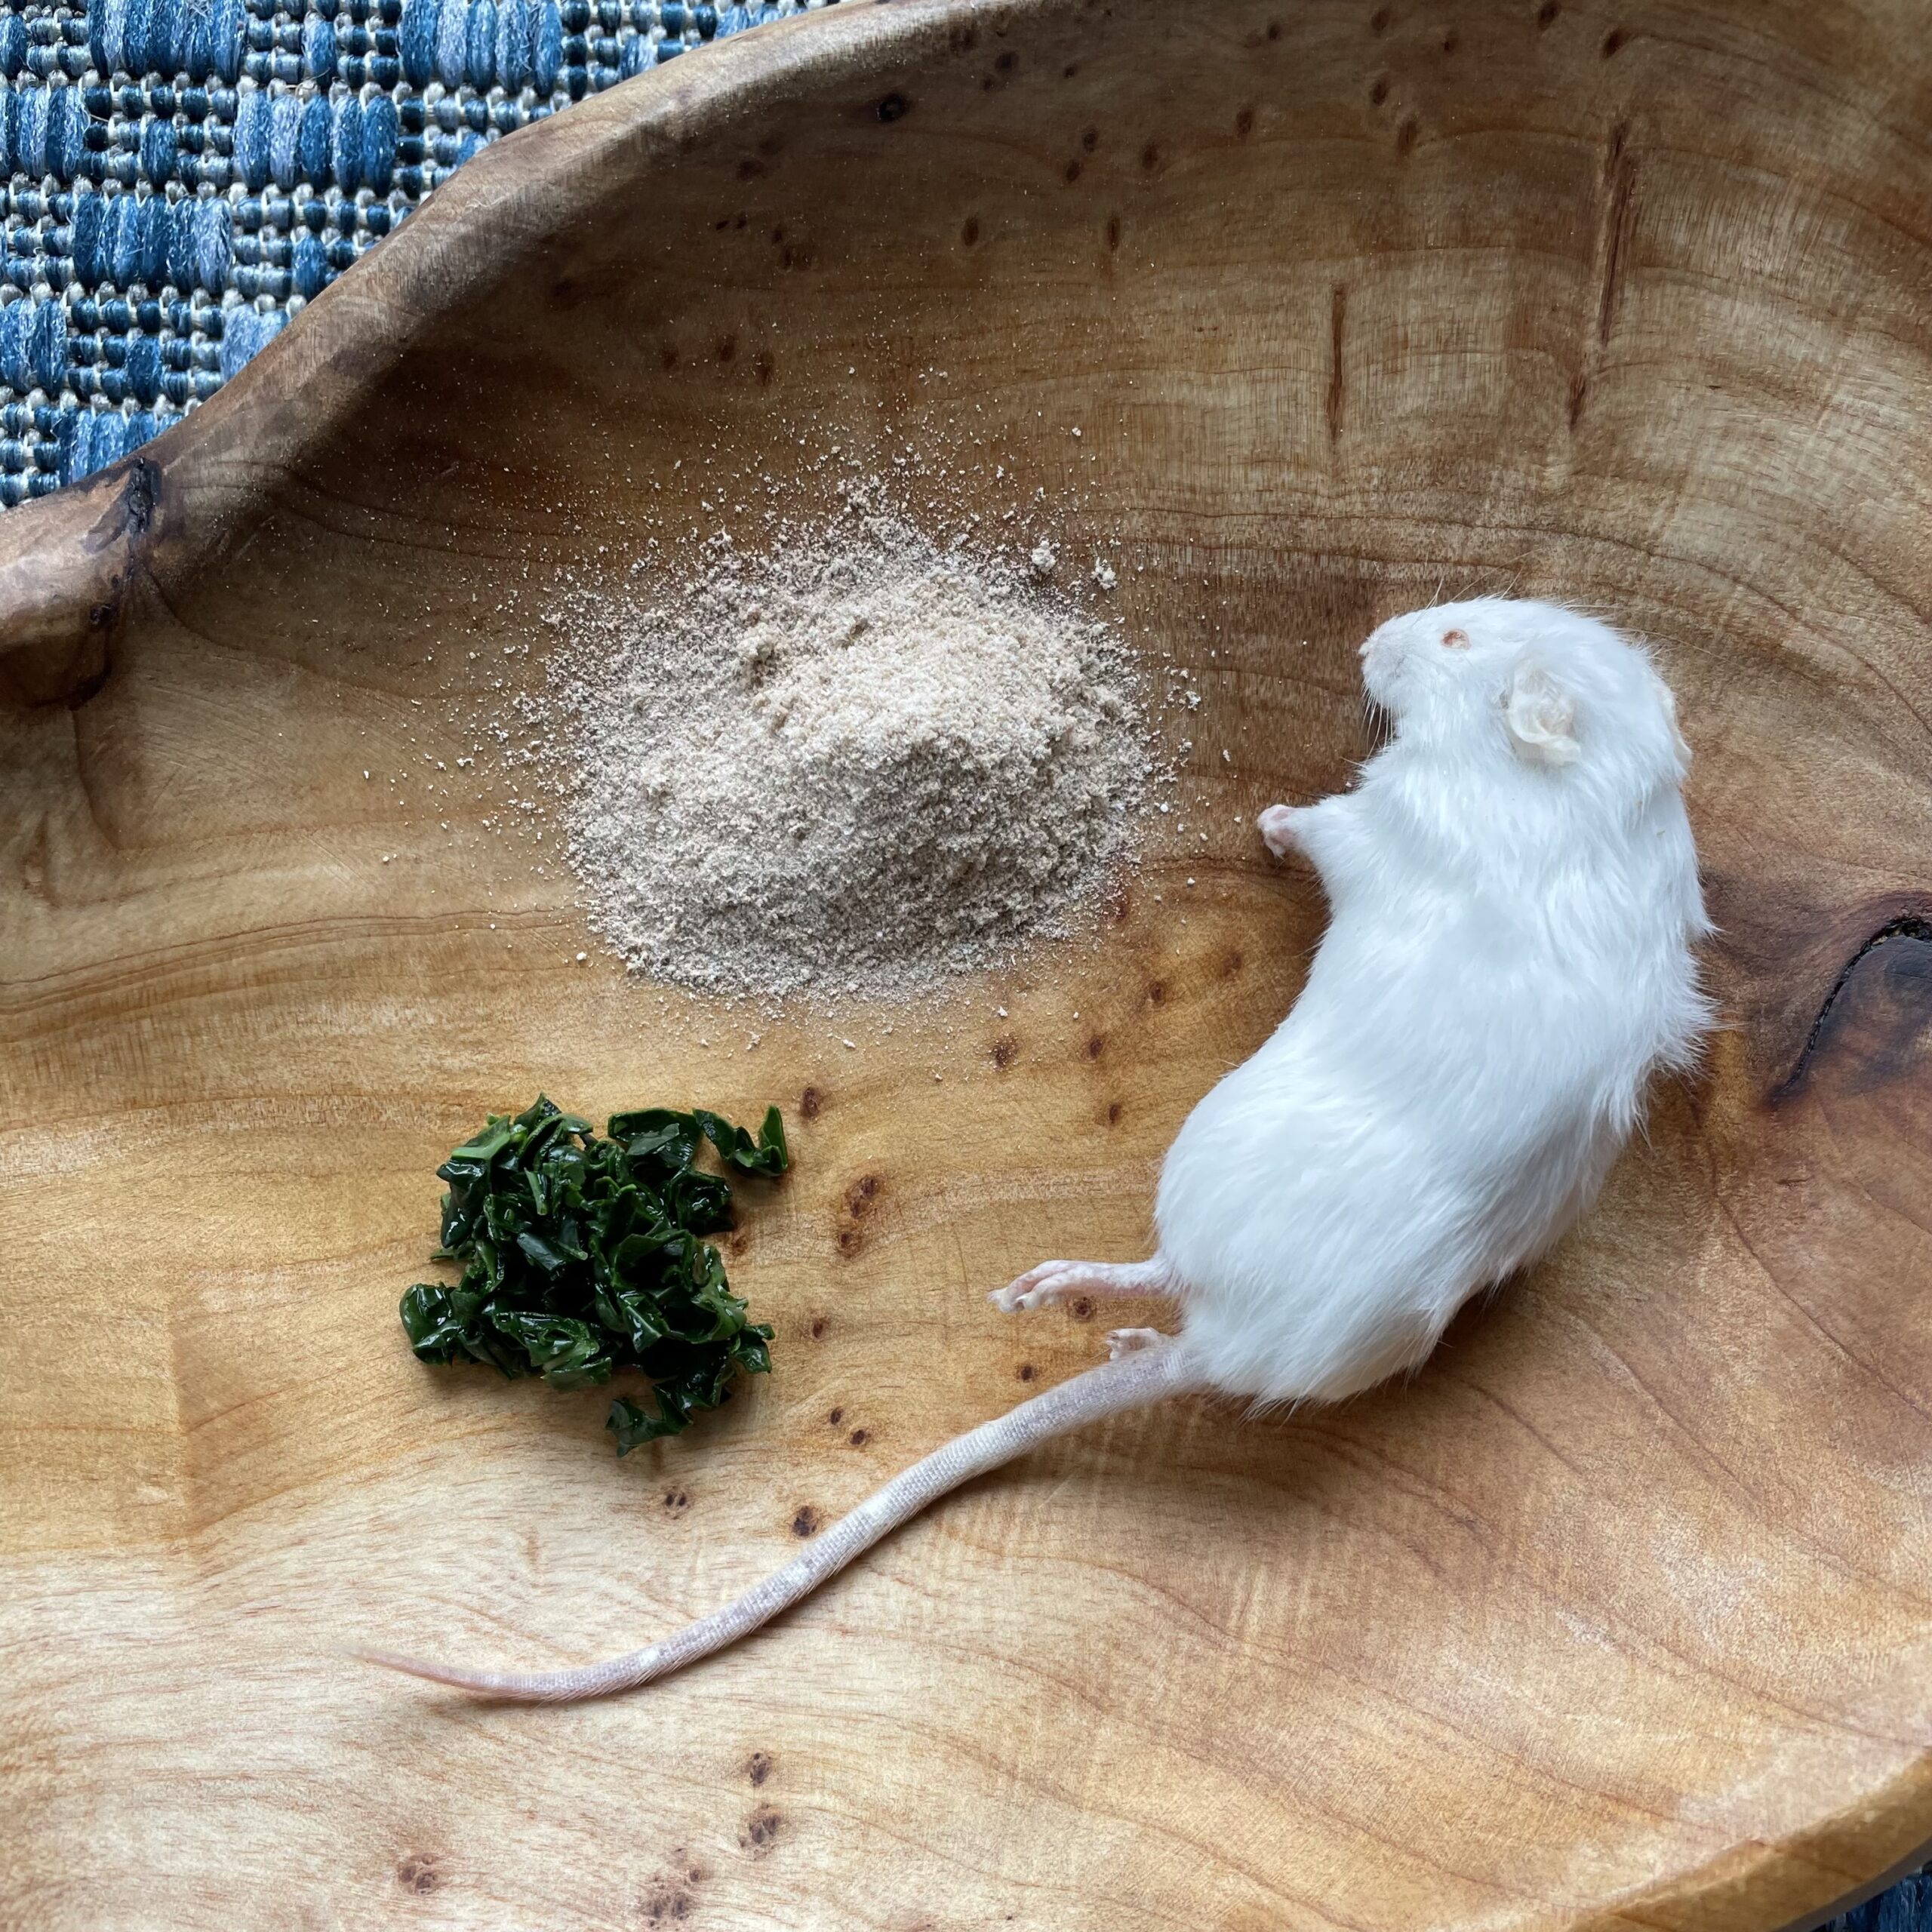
(856, 766)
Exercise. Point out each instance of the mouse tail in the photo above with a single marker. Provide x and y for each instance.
(1131, 1382)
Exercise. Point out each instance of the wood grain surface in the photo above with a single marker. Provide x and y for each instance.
(1617, 1617)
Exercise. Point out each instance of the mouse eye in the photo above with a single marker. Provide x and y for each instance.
(1455, 640)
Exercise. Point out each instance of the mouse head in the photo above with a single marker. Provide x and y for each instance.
(1530, 686)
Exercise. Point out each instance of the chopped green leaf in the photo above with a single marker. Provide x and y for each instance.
(430, 1319)
(631, 1425)
(581, 1257)
(767, 1154)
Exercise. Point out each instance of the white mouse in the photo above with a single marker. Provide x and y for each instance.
(1514, 900)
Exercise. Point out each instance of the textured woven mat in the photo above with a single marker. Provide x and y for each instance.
(182, 175)
(1907, 1907)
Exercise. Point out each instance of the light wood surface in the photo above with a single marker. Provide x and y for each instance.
(1618, 1616)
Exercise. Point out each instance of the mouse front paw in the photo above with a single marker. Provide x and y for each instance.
(1280, 826)
(1131, 1341)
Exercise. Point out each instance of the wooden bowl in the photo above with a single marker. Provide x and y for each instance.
(1617, 1617)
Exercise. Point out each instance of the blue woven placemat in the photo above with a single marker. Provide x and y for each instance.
(182, 175)
(1907, 1907)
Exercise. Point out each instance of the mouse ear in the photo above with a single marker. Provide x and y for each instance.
(1541, 716)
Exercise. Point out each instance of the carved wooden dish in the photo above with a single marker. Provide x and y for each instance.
(1619, 1616)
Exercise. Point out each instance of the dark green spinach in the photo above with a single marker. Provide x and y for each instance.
(582, 1256)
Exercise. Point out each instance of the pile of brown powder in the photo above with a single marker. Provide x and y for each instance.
(856, 766)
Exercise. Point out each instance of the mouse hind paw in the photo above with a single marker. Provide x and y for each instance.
(1059, 1281)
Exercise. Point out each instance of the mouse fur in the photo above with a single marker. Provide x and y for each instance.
(1509, 959)
(1513, 899)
